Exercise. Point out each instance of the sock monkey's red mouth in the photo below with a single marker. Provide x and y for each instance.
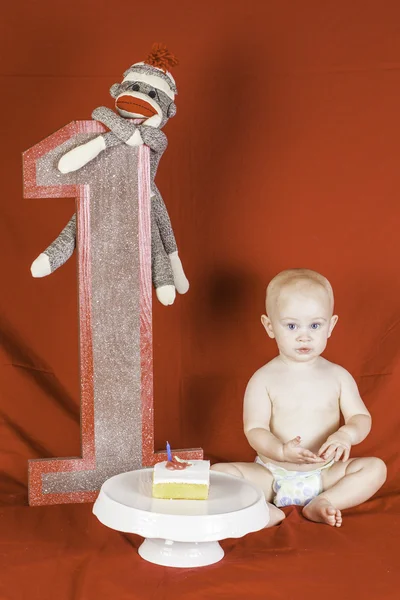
(135, 106)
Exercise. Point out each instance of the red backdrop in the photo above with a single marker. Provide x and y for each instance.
(283, 153)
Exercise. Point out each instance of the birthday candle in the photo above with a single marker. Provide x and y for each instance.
(169, 455)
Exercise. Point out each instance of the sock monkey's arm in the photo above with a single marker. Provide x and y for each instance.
(81, 155)
(154, 138)
(122, 128)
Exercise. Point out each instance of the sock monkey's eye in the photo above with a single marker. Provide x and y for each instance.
(134, 87)
(152, 94)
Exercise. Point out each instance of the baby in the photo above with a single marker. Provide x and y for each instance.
(292, 409)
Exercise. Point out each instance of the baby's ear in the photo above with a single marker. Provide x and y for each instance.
(266, 321)
(332, 324)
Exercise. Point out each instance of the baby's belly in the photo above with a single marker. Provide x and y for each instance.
(313, 431)
(293, 466)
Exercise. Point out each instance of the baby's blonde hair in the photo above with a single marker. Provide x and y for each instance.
(295, 278)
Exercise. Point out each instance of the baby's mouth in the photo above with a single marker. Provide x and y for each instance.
(303, 350)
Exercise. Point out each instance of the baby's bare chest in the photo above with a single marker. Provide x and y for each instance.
(296, 394)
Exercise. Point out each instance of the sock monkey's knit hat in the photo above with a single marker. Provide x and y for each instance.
(153, 71)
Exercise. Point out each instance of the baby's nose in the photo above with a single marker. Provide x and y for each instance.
(303, 336)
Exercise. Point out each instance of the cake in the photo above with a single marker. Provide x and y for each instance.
(179, 479)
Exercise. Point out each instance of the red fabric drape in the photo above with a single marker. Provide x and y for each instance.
(283, 153)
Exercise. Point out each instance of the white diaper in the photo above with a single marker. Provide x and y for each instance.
(294, 487)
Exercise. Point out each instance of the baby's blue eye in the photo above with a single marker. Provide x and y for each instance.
(291, 326)
(315, 325)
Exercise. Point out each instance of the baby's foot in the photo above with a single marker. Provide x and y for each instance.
(321, 510)
(276, 515)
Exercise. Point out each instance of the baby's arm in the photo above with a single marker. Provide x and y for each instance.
(356, 417)
(256, 420)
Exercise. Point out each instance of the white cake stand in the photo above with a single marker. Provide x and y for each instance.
(181, 533)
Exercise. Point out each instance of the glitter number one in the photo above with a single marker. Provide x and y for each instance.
(114, 272)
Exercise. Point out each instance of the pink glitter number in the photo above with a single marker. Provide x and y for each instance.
(57, 481)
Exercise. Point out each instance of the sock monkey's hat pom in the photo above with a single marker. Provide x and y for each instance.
(161, 58)
(154, 70)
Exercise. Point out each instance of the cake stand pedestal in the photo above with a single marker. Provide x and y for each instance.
(181, 533)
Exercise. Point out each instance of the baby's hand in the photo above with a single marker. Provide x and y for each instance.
(294, 453)
(337, 446)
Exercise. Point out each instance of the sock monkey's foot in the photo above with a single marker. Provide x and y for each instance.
(166, 294)
(41, 266)
(180, 279)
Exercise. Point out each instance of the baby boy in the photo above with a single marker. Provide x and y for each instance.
(292, 410)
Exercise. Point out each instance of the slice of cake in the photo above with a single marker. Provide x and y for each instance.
(178, 479)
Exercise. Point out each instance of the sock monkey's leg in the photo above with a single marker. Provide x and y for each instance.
(164, 223)
(180, 279)
(57, 253)
(169, 242)
(163, 279)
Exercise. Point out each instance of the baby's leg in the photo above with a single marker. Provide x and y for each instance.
(261, 477)
(345, 484)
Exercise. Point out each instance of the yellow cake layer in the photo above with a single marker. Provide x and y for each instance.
(180, 491)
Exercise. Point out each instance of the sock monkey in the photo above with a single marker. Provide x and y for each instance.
(147, 92)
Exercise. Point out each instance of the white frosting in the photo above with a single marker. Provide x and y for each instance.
(198, 472)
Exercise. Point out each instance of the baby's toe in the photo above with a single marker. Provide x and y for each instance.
(330, 517)
(338, 518)
(331, 520)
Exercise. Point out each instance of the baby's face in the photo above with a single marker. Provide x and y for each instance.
(301, 322)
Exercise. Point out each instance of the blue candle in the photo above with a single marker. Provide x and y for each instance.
(169, 455)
